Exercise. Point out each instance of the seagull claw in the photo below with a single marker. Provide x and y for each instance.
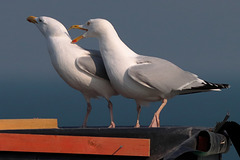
(155, 121)
(137, 125)
(112, 125)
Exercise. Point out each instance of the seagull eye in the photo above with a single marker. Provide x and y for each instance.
(88, 23)
(40, 20)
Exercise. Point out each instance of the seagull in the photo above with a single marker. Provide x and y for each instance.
(142, 78)
(80, 68)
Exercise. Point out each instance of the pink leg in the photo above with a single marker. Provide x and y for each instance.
(110, 106)
(138, 115)
(155, 120)
(89, 108)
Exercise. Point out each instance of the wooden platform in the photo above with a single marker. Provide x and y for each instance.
(121, 143)
(16, 124)
(74, 144)
(40, 139)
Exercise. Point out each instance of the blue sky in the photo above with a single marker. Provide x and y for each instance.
(199, 36)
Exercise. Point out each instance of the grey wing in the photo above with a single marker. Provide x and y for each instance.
(93, 65)
(160, 74)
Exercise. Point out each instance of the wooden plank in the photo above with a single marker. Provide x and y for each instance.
(74, 144)
(14, 124)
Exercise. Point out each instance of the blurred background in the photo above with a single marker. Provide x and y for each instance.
(199, 36)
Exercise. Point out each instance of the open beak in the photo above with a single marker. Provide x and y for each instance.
(32, 19)
(77, 27)
(75, 40)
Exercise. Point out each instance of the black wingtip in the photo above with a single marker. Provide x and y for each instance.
(226, 86)
(216, 86)
(206, 86)
(210, 86)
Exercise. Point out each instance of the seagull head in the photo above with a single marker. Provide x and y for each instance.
(48, 26)
(94, 28)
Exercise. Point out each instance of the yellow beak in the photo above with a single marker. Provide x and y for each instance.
(77, 27)
(77, 39)
(32, 19)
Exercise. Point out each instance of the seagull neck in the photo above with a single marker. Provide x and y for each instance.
(110, 44)
(59, 39)
(56, 45)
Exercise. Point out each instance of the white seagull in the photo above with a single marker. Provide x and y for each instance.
(82, 69)
(142, 78)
